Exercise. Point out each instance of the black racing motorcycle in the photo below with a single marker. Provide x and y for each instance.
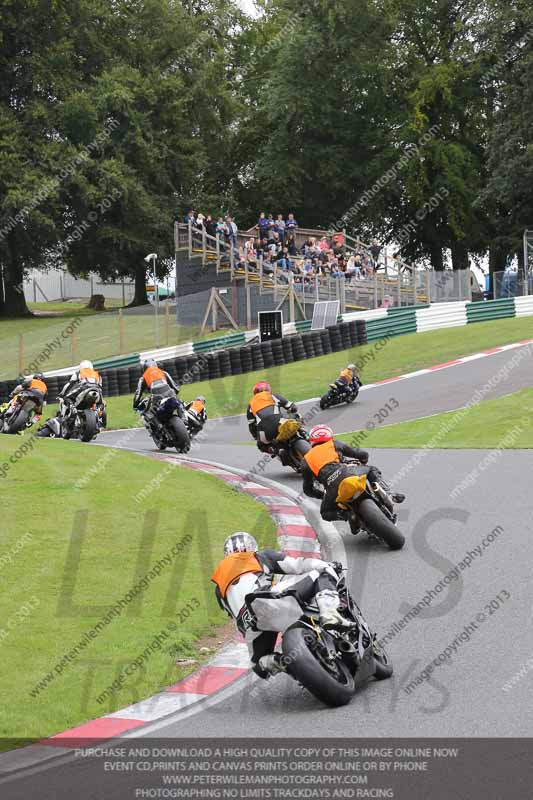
(20, 413)
(331, 664)
(165, 422)
(372, 511)
(84, 416)
(337, 394)
(291, 443)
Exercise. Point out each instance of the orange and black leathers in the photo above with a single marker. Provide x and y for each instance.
(157, 382)
(34, 387)
(263, 415)
(324, 464)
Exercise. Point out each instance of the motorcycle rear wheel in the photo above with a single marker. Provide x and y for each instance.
(89, 426)
(180, 435)
(377, 523)
(304, 666)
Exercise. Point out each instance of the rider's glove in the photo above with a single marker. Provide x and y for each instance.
(337, 566)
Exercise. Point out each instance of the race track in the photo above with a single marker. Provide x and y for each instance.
(464, 695)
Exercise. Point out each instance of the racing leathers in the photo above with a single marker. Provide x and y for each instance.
(197, 415)
(263, 592)
(347, 380)
(161, 387)
(81, 379)
(324, 464)
(263, 415)
(33, 387)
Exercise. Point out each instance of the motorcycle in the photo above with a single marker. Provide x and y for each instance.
(372, 511)
(85, 416)
(51, 429)
(291, 443)
(339, 394)
(193, 422)
(331, 664)
(165, 422)
(20, 413)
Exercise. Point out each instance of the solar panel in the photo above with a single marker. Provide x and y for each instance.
(325, 313)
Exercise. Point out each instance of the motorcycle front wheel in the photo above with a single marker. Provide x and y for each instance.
(333, 684)
(18, 423)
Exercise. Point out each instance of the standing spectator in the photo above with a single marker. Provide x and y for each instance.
(280, 225)
(375, 250)
(190, 217)
(271, 226)
(200, 220)
(291, 224)
(210, 226)
(262, 225)
(232, 231)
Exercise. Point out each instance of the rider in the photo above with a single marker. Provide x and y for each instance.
(264, 415)
(159, 384)
(323, 463)
(262, 590)
(197, 412)
(86, 375)
(348, 379)
(34, 386)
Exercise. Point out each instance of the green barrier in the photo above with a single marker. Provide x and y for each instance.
(490, 309)
(119, 361)
(303, 325)
(219, 343)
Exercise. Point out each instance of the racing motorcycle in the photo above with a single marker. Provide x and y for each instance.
(85, 416)
(338, 394)
(20, 413)
(331, 664)
(291, 443)
(51, 429)
(373, 511)
(165, 422)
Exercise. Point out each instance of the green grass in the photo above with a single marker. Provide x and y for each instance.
(304, 379)
(67, 308)
(96, 336)
(504, 423)
(122, 540)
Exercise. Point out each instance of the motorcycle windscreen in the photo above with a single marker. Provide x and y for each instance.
(276, 613)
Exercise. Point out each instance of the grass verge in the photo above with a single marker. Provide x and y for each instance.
(503, 423)
(84, 525)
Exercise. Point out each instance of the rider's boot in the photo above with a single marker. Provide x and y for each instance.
(328, 602)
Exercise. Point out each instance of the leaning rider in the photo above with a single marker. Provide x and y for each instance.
(197, 412)
(264, 415)
(348, 379)
(324, 464)
(159, 384)
(262, 590)
(35, 387)
(86, 375)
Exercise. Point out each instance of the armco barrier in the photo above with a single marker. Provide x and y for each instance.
(493, 309)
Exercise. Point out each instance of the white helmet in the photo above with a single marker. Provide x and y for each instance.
(86, 365)
(240, 542)
(351, 366)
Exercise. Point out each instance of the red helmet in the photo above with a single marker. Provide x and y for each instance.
(320, 434)
(262, 386)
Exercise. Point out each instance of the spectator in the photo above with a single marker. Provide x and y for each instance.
(210, 226)
(291, 245)
(271, 226)
(280, 226)
(232, 231)
(291, 223)
(263, 226)
(375, 250)
(200, 220)
(324, 243)
(221, 228)
(190, 217)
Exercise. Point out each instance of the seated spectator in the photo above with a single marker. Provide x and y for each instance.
(291, 245)
(324, 243)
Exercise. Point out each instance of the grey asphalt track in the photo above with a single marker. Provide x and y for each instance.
(464, 695)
